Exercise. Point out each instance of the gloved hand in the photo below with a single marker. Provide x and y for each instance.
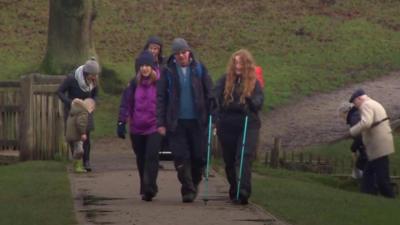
(212, 104)
(121, 130)
(213, 107)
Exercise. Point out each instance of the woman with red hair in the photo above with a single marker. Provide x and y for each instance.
(238, 95)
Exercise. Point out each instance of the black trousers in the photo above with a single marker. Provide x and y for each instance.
(146, 148)
(231, 142)
(376, 178)
(187, 144)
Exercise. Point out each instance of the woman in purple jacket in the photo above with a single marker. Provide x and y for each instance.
(138, 107)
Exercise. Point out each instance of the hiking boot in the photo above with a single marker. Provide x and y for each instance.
(147, 197)
(243, 198)
(244, 201)
(189, 197)
(87, 166)
(78, 166)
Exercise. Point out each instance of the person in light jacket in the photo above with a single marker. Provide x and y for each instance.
(76, 129)
(377, 136)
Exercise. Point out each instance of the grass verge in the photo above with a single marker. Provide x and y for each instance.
(35, 193)
(312, 199)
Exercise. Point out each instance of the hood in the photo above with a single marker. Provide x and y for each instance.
(155, 40)
(77, 106)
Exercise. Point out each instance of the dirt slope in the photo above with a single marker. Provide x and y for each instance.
(314, 120)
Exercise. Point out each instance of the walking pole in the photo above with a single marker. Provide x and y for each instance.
(241, 157)
(205, 198)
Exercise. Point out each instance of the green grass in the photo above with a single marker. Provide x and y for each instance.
(303, 46)
(311, 199)
(307, 199)
(35, 193)
(106, 116)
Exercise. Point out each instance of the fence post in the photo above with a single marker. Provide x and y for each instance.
(275, 152)
(26, 128)
(266, 162)
(284, 157)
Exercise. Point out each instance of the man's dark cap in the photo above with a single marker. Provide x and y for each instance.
(357, 93)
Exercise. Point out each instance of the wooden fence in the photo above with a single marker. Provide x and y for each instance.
(32, 117)
(9, 114)
(309, 162)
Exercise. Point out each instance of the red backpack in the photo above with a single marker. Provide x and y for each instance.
(259, 76)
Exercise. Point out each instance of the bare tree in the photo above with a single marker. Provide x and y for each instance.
(69, 41)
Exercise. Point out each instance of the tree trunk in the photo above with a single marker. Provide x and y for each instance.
(69, 41)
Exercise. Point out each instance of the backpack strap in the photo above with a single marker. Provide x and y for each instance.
(199, 69)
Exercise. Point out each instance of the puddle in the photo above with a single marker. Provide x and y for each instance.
(88, 200)
(91, 215)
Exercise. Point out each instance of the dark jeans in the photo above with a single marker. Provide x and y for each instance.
(187, 145)
(376, 178)
(146, 148)
(231, 142)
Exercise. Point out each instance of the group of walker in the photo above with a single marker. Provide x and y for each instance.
(173, 99)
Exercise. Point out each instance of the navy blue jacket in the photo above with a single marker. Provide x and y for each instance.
(168, 93)
(353, 117)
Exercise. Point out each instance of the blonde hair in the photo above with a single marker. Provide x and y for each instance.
(90, 104)
(153, 77)
(248, 77)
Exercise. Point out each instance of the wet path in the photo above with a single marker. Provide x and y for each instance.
(109, 195)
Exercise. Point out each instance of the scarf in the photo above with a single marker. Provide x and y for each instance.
(83, 84)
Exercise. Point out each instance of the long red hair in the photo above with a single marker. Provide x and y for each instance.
(248, 77)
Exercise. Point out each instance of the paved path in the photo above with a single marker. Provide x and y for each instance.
(109, 195)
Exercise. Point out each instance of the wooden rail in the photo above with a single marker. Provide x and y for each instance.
(31, 117)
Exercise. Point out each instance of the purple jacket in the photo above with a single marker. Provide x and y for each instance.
(138, 106)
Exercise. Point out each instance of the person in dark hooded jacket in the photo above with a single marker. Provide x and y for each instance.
(238, 95)
(184, 92)
(155, 46)
(357, 147)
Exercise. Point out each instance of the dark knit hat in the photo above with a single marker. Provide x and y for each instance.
(179, 45)
(145, 58)
(153, 40)
(91, 67)
(357, 93)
